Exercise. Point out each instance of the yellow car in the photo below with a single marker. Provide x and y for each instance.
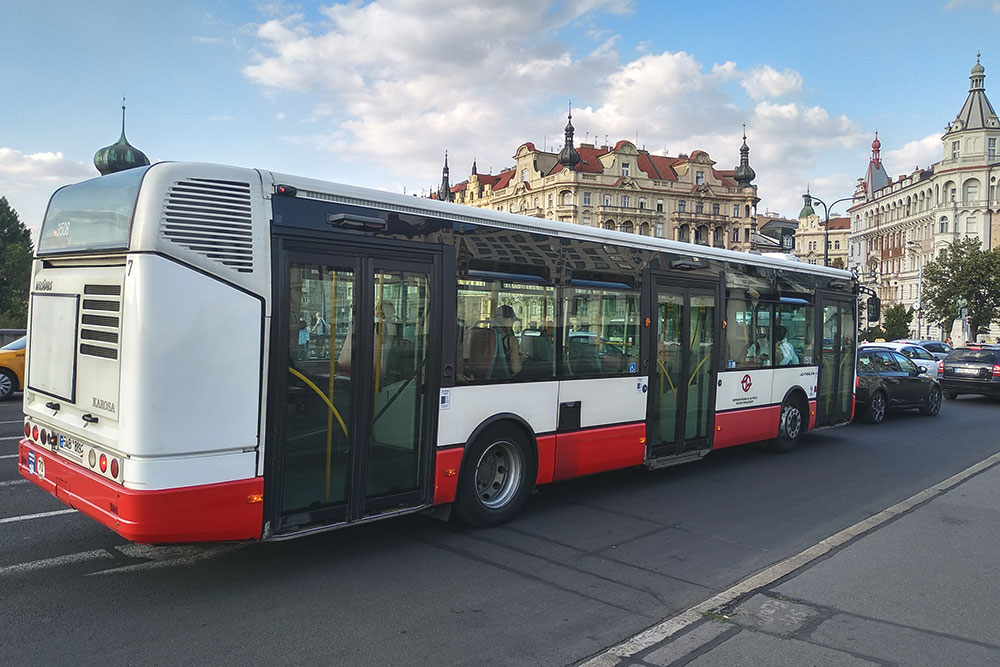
(12, 368)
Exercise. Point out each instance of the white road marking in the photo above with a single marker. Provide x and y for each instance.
(166, 556)
(9, 456)
(19, 421)
(672, 626)
(12, 482)
(14, 437)
(97, 554)
(40, 515)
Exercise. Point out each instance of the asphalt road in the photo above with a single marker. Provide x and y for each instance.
(587, 564)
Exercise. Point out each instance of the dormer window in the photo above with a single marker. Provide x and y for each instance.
(699, 178)
(625, 168)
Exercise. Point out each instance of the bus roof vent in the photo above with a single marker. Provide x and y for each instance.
(212, 218)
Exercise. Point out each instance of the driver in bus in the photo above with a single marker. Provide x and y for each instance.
(759, 351)
(505, 319)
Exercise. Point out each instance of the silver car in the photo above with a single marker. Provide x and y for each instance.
(938, 348)
(915, 353)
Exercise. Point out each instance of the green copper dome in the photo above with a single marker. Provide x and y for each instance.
(120, 155)
(807, 207)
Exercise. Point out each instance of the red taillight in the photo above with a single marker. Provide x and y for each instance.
(43, 437)
(941, 367)
(34, 434)
(996, 370)
(114, 468)
(27, 430)
(104, 463)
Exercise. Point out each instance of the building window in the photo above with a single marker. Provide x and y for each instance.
(736, 236)
(625, 168)
(681, 206)
(699, 178)
(659, 230)
(970, 224)
(971, 192)
(524, 174)
(715, 209)
(746, 235)
(659, 206)
(642, 203)
(944, 225)
(586, 199)
(607, 200)
(991, 147)
(550, 201)
(954, 150)
(736, 210)
(624, 201)
(699, 207)
(836, 245)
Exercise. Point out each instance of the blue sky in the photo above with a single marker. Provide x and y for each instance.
(373, 93)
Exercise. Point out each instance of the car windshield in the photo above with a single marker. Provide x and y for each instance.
(16, 345)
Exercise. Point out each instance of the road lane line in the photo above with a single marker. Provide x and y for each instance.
(83, 556)
(12, 482)
(671, 626)
(16, 437)
(19, 421)
(40, 515)
(9, 456)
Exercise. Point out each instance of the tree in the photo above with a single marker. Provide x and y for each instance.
(963, 271)
(15, 268)
(897, 321)
(872, 334)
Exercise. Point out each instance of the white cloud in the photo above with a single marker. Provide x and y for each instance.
(393, 83)
(766, 82)
(918, 154)
(29, 180)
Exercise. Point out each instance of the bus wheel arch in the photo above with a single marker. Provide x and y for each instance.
(793, 422)
(497, 473)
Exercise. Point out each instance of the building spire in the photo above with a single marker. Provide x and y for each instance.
(744, 173)
(977, 113)
(444, 192)
(568, 156)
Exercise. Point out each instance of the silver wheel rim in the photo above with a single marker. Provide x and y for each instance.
(498, 474)
(878, 407)
(6, 385)
(792, 419)
(934, 403)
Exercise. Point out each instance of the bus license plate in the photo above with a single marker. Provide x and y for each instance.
(71, 446)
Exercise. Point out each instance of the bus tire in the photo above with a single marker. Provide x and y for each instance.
(496, 478)
(792, 424)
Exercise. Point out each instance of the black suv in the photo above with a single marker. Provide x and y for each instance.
(887, 379)
(972, 371)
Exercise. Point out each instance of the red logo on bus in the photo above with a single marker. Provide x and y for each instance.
(746, 383)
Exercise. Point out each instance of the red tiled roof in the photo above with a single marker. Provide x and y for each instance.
(662, 166)
(840, 223)
(503, 179)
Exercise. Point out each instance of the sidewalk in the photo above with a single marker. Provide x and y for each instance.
(921, 587)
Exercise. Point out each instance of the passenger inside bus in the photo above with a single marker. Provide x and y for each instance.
(759, 352)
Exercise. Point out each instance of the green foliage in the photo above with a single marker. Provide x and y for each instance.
(963, 271)
(15, 268)
(871, 334)
(837, 263)
(897, 321)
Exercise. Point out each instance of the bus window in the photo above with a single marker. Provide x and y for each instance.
(505, 331)
(796, 316)
(748, 332)
(600, 332)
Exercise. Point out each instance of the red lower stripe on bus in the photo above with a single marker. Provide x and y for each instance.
(596, 450)
(209, 512)
(739, 427)
(812, 414)
(446, 469)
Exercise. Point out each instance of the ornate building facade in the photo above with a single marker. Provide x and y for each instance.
(812, 234)
(898, 225)
(624, 188)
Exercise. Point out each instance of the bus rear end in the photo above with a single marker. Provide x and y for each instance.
(145, 353)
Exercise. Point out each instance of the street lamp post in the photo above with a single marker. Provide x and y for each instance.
(826, 223)
(913, 245)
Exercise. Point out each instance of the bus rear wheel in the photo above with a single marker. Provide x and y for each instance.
(496, 478)
(791, 425)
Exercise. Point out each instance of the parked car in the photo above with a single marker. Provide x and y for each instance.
(12, 368)
(915, 353)
(938, 348)
(888, 380)
(970, 370)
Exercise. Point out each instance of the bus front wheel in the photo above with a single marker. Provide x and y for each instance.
(496, 478)
(791, 425)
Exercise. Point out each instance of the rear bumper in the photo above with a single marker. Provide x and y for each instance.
(207, 513)
(984, 387)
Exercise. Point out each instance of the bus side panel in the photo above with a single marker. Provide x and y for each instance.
(190, 377)
(534, 402)
(210, 512)
(738, 427)
(597, 450)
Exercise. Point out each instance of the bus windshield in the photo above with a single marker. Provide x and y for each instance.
(92, 215)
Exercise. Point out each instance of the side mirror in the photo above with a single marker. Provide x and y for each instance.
(922, 369)
(874, 308)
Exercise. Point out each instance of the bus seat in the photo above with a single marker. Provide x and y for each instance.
(482, 352)
(584, 357)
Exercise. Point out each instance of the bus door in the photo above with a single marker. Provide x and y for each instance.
(353, 433)
(682, 387)
(838, 333)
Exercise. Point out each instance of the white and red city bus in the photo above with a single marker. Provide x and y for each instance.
(217, 353)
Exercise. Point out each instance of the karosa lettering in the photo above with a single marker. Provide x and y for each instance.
(101, 404)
